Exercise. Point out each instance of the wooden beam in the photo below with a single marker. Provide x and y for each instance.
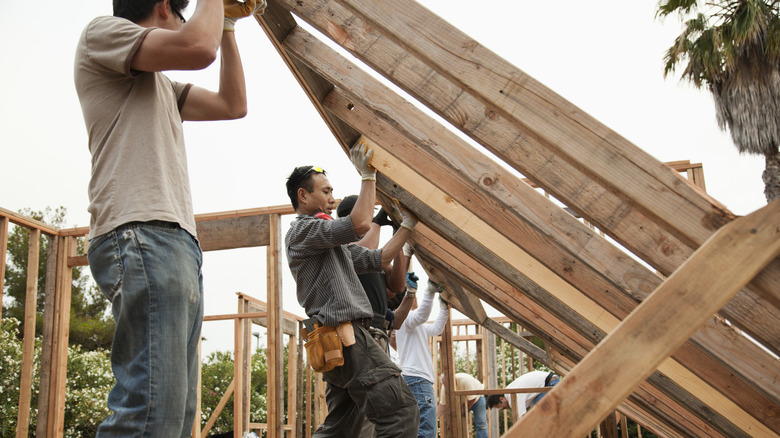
(45, 388)
(27, 222)
(66, 248)
(292, 386)
(3, 248)
(238, 374)
(220, 406)
(277, 22)
(451, 419)
(228, 316)
(750, 398)
(588, 256)
(275, 342)
(564, 345)
(634, 226)
(235, 232)
(28, 342)
(658, 326)
(472, 307)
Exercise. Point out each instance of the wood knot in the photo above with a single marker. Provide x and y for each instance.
(488, 181)
(491, 115)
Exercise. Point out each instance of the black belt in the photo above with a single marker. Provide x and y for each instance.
(160, 224)
(379, 321)
(363, 322)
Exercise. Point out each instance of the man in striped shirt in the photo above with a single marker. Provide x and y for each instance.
(325, 262)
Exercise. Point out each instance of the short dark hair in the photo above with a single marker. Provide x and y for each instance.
(301, 178)
(493, 400)
(137, 10)
(346, 205)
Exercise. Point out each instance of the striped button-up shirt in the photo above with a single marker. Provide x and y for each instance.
(325, 264)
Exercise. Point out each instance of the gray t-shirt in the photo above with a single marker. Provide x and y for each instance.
(139, 163)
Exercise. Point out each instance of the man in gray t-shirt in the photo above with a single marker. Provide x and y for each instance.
(143, 252)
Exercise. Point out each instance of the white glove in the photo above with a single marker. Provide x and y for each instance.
(360, 156)
(408, 250)
(408, 219)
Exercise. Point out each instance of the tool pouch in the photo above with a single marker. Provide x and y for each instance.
(346, 333)
(324, 349)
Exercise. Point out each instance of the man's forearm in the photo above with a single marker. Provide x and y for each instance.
(363, 211)
(395, 244)
(402, 311)
(232, 84)
(205, 23)
(396, 277)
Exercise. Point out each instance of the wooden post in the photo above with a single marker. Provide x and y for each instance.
(448, 366)
(609, 426)
(28, 344)
(275, 349)
(321, 406)
(238, 371)
(303, 384)
(292, 385)
(196, 423)
(658, 326)
(66, 249)
(50, 296)
(309, 415)
(3, 248)
(491, 380)
(623, 426)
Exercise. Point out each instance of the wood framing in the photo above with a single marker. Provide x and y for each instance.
(678, 329)
(659, 326)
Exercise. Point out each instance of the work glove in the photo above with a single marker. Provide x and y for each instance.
(381, 218)
(360, 156)
(435, 287)
(408, 219)
(443, 304)
(235, 9)
(411, 282)
(408, 250)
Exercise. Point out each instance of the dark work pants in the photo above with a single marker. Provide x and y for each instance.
(368, 383)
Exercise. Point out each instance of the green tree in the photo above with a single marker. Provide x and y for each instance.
(216, 375)
(90, 326)
(732, 47)
(89, 380)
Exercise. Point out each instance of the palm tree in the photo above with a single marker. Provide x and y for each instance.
(733, 48)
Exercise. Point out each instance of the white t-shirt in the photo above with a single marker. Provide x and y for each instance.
(463, 382)
(139, 163)
(412, 339)
(532, 379)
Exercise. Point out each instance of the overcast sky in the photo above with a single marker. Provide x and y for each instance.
(605, 57)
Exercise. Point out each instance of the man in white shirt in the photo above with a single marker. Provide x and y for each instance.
(415, 354)
(474, 403)
(533, 379)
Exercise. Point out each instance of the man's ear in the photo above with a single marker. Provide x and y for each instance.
(162, 9)
(302, 195)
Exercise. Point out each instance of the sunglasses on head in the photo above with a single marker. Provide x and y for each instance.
(313, 169)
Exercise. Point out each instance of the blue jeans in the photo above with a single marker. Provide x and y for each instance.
(151, 273)
(422, 390)
(554, 381)
(479, 408)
